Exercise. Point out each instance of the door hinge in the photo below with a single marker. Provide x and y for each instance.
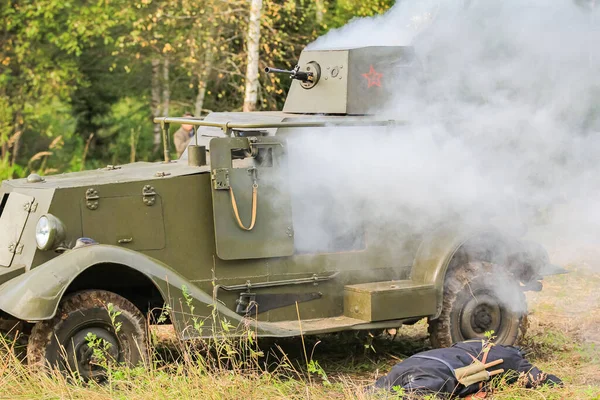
(15, 248)
(92, 199)
(30, 207)
(148, 195)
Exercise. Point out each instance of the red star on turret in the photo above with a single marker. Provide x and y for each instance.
(373, 77)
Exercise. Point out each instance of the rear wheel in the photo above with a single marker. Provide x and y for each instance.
(479, 298)
(83, 323)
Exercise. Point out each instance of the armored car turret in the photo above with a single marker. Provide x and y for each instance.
(351, 81)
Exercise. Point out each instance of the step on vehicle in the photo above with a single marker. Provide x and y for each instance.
(223, 231)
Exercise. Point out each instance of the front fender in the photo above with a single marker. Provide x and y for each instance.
(35, 295)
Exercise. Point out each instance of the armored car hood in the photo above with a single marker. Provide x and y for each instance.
(139, 171)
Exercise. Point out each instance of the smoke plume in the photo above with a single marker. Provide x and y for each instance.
(504, 124)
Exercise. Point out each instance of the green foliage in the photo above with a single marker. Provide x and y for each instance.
(99, 347)
(121, 130)
(398, 392)
(113, 314)
(39, 66)
(197, 324)
(80, 81)
(313, 367)
(344, 10)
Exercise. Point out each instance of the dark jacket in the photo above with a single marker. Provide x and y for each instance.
(433, 371)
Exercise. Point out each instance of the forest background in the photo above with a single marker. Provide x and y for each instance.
(81, 80)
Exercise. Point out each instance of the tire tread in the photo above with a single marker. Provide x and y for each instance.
(41, 334)
(456, 280)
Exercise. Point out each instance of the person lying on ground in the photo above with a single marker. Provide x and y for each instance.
(441, 371)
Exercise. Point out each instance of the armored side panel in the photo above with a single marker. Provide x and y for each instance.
(351, 81)
(134, 222)
(253, 190)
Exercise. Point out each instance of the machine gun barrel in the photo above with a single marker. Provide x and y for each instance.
(270, 70)
(294, 74)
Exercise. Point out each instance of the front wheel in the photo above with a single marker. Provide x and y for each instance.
(90, 329)
(480, 298)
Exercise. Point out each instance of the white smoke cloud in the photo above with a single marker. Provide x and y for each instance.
(398, 27)
(506, 117)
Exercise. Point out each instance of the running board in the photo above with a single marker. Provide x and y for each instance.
(380, 301)
(319, 326)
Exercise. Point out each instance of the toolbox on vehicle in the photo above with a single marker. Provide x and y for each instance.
(379, 301)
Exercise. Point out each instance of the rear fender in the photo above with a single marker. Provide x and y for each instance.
(449, 245)
(35, 295)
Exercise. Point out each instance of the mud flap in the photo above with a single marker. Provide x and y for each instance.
(552, 269)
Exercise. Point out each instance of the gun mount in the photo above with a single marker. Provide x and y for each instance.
(308, 79)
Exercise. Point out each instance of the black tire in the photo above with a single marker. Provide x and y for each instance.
(480, 297)
(60, 342)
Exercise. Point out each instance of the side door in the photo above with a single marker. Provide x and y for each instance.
(251, 200)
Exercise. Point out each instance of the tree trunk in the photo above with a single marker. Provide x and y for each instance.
(85, 151)
(252, 43)
(202, 81)
(166, 93)
(18, 129)
(133, 135)
(319, 14)
(155, 101)
(4, 151)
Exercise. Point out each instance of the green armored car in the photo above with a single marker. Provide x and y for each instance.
(227, 233)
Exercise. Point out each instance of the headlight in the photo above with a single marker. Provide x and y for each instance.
(49, 232)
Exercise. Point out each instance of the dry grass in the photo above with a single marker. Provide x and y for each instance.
(565, 330)
(564, 339)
